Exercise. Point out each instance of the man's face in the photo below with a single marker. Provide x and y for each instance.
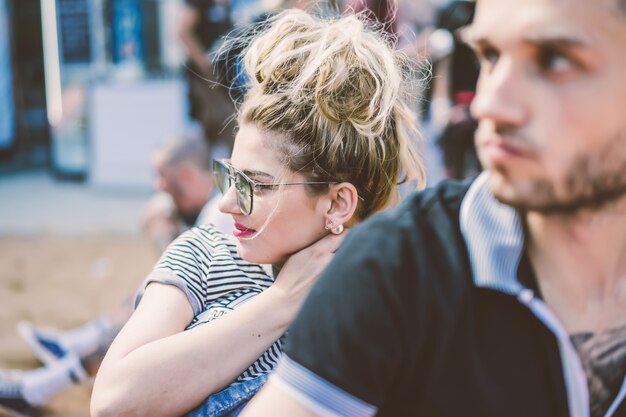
(551, 101)
(169, 179)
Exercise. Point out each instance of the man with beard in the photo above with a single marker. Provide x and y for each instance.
(504, 296)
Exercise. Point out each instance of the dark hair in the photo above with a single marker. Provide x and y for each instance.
(456, 15)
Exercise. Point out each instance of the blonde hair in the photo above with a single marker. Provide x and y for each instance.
(334, 91)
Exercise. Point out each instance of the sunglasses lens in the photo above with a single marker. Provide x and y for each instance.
(222, 177)
(244, 194)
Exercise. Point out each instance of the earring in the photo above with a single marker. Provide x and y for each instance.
(335, 230)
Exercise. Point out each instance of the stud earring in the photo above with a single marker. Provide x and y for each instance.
(335, 230)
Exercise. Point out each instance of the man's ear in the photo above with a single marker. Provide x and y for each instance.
(343, 198)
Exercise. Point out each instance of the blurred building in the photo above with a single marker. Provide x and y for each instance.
(88, 87)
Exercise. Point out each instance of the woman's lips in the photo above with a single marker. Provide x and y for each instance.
(242, 231)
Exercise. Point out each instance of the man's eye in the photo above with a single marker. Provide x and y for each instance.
(488, 55)
(551, 61)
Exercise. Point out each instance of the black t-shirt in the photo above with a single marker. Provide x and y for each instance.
(397, 321)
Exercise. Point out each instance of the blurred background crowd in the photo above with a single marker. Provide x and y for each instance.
(92, 93)
(89, 88)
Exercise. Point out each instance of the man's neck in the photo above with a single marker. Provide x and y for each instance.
(580, 263)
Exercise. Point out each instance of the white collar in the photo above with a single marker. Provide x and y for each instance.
(494, 238)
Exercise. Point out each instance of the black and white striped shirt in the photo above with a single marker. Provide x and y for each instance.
(205, 265)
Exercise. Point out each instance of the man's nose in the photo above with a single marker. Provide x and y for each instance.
(501, 95)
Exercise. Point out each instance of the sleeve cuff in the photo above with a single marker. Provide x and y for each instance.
(317, 394)
(168, 278)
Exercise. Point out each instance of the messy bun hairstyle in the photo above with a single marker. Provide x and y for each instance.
(334, 91)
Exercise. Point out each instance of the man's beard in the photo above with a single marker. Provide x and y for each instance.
(592, 182)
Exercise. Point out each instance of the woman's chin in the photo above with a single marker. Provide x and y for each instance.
(249, 253)
(256, 256)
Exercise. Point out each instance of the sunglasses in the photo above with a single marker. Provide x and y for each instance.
(226, 176)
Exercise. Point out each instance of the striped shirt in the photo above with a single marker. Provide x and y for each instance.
(205, 265)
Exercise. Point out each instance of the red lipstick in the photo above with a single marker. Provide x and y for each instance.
(241, 231)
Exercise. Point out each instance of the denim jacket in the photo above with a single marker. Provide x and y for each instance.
(230, 401)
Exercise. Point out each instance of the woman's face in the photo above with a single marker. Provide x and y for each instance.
(283, 220)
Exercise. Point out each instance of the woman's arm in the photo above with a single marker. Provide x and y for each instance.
(154, 368)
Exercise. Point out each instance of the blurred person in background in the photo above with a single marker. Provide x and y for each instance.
(454, 83)
(186, 196)
(186, 191)
(450, 90)
(202, 23)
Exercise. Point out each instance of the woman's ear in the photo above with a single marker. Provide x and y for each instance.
(343, 199)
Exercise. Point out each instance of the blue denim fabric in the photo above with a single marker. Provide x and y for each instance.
(230, 401)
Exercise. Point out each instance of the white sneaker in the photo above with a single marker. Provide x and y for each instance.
(45, 344)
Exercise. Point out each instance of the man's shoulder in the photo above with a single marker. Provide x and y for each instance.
(416, 241)
(428, 208)
(446, 196)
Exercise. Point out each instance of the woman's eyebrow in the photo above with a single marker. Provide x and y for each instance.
(257, 174)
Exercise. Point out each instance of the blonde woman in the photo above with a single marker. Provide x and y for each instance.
(325, 135)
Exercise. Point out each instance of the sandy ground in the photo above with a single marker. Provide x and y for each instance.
(62, 282)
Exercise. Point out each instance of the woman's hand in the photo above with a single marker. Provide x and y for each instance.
(301, 270)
